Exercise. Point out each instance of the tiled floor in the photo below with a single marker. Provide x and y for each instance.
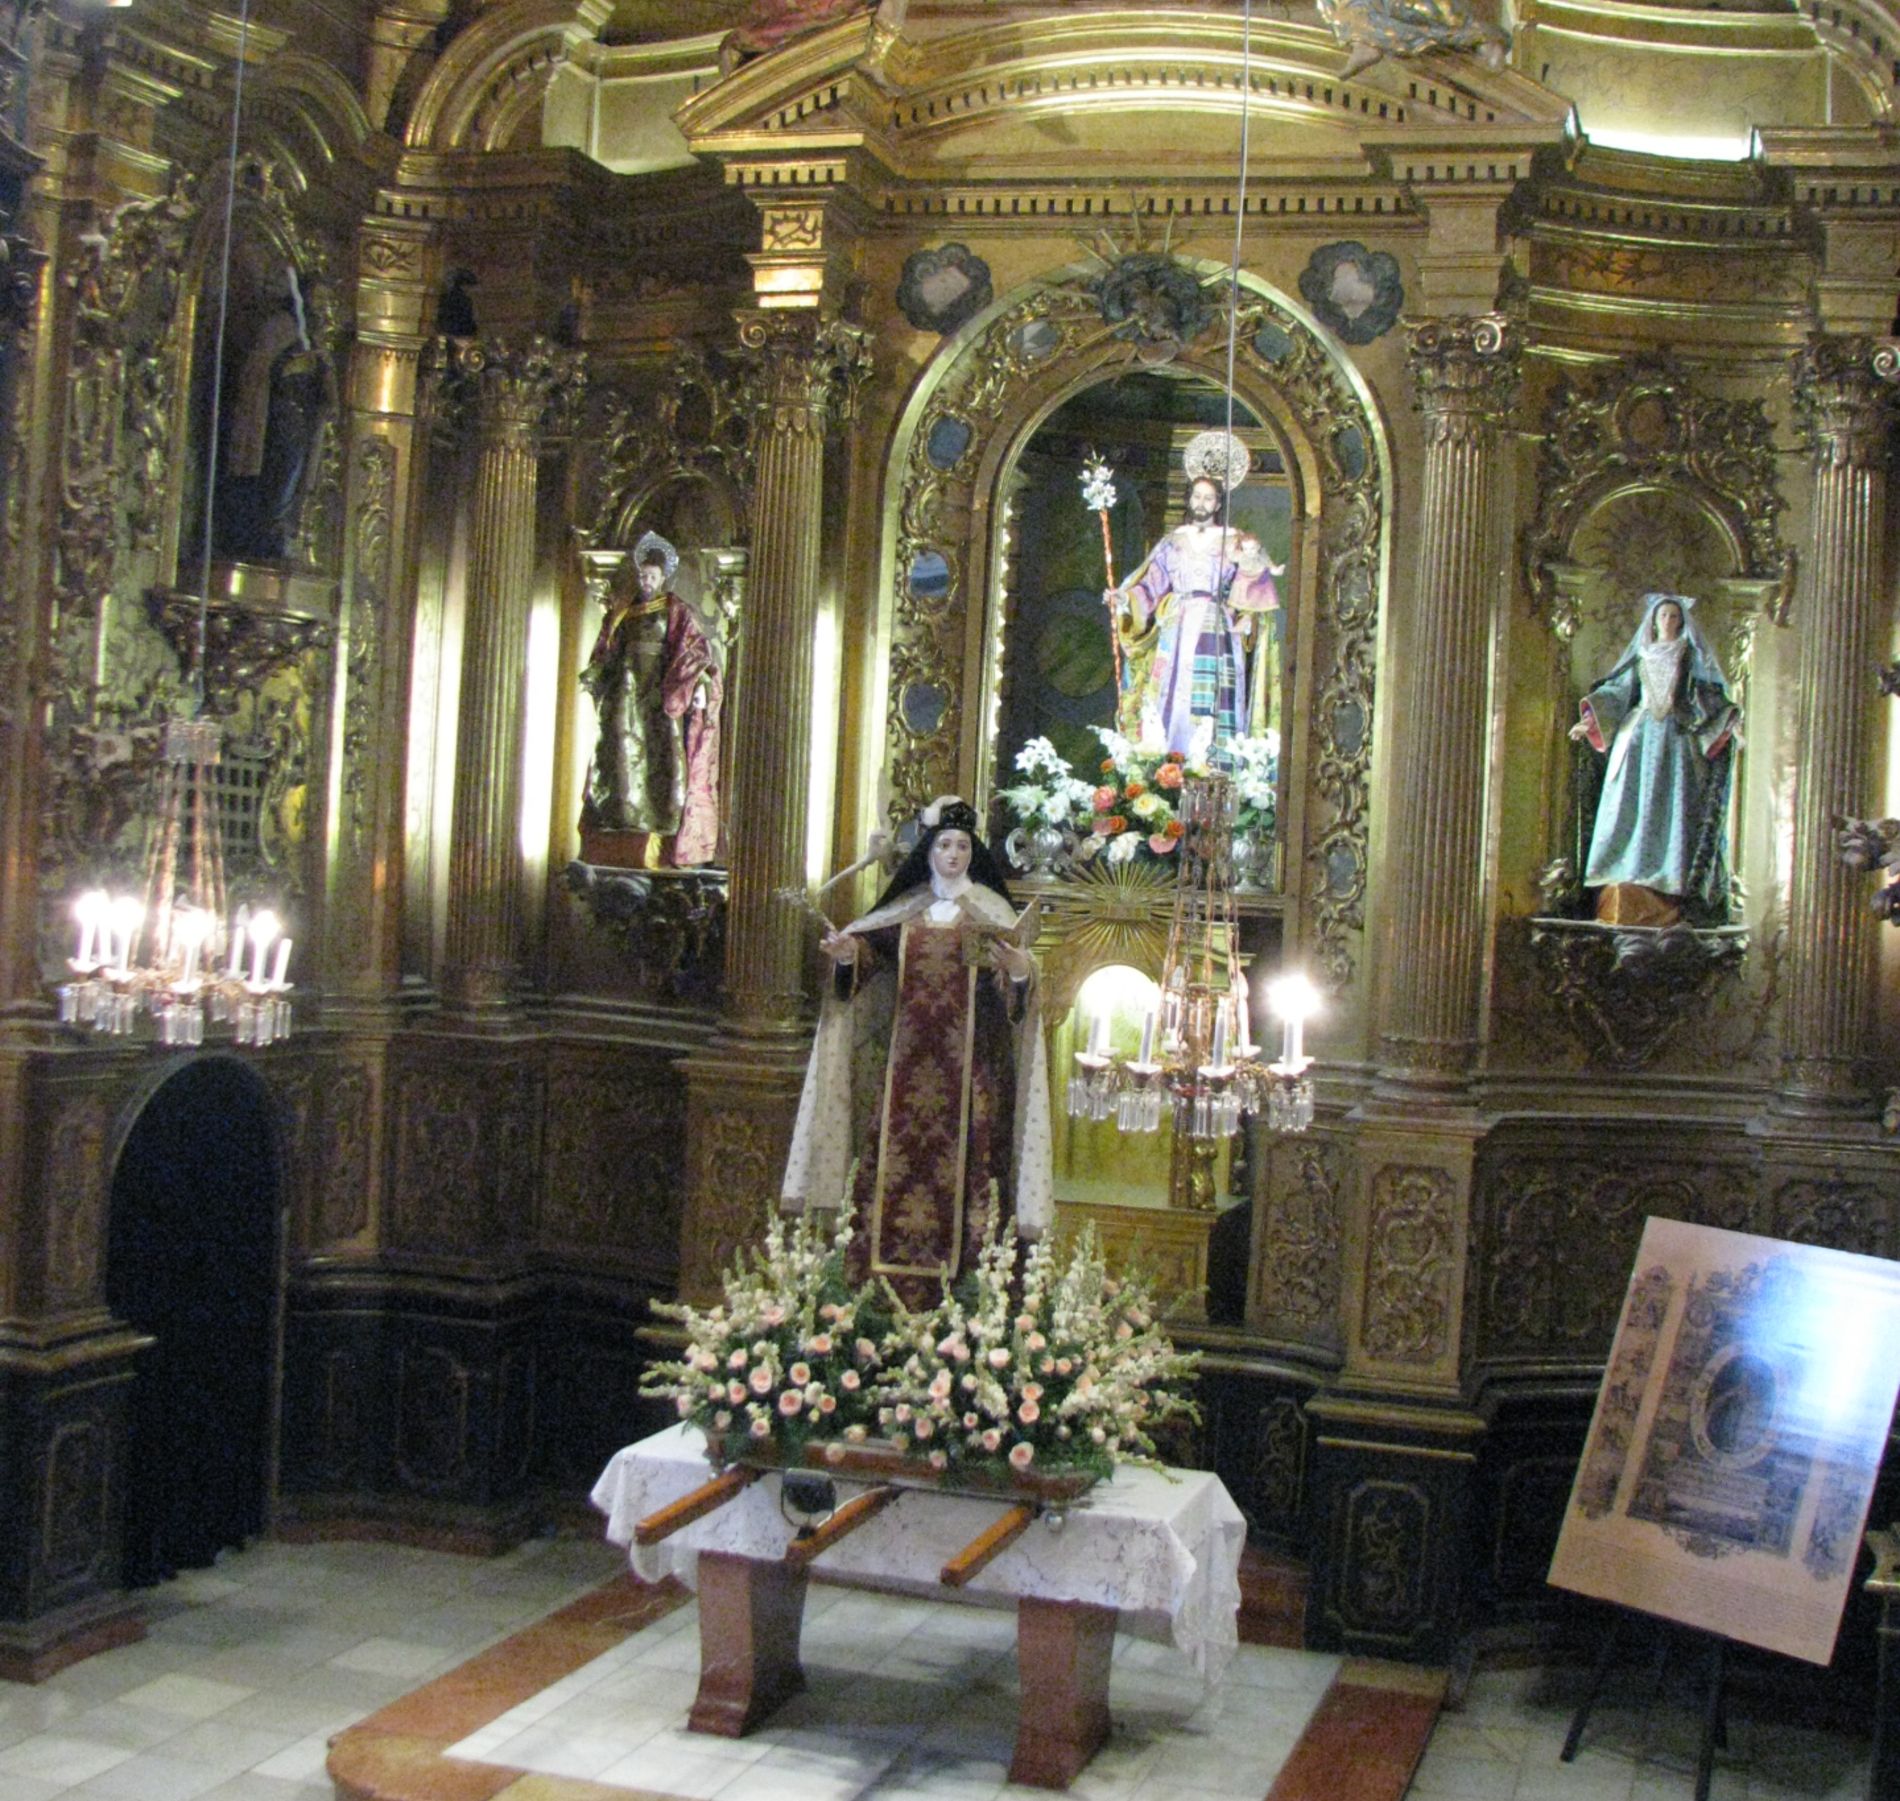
(249, 1669)
(1503, 1745)
(906, 1699)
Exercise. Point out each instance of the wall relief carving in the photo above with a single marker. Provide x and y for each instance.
(1407, 1317)
(1387, 1561)
(1642, 425)
(1299, 1255)
(1559, 1233)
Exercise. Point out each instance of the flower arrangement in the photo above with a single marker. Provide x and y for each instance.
(1132, 810)
(1042, 1364)
(1066, 1371)
(1051, 796)
(789, 1355)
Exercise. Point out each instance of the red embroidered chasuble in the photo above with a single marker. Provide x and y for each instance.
(942, 1133)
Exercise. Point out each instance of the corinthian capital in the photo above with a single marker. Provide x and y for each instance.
(510, 391)
(806, 370)
(1844, 388)
(1464, 372)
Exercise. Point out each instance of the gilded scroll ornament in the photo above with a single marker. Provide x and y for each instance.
(1626, 991)
(1408, 1267)
(368, 608)
(1299, 1261)
(1645, 424)
(672, 924)
(1844, 390)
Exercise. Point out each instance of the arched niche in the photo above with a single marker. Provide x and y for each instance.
(1648, 483)
(958, 453)
(271, 473)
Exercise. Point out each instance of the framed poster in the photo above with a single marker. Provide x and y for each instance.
(1737, 1435)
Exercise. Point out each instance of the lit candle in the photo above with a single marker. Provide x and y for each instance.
(127, 914)
(1148, 1036)
(1218, 1059)
(240, 922)
(1294, 998)
(278, 974)
(263, 931)
(90, 911)
(191, 928)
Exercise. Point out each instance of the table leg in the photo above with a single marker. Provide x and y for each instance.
(750, 1614)
(1062, 1655)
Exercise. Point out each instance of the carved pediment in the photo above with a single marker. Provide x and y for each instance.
(1156, 91)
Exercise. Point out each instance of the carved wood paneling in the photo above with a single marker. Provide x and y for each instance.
(1409, 1270)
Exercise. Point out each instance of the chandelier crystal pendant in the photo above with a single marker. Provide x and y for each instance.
(1198, 1061)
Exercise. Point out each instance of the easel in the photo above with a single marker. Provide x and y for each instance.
(1714, 1706)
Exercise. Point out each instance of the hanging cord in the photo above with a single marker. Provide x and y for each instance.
(217, 361)
(1240, 220)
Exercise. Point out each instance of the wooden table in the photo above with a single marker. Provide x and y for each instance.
(1157, 1554)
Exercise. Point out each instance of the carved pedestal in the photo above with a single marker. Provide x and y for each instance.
(62, 1502)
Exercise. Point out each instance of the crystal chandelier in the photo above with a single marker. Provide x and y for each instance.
(1198, 1059)
(170, 954)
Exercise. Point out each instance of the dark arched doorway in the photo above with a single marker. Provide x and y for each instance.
(192, 1259)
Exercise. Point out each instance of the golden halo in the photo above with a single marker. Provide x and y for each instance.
(1217, 457)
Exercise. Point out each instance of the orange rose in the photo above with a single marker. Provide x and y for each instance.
(1108, 765)
(1174, 828)
(1134, 791)
(1111, 825)
(1168, 776)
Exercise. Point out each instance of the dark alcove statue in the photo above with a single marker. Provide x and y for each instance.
(277, 393)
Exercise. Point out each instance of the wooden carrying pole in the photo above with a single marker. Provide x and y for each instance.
(981, 1551)
(688, 1508)
(853, 1514)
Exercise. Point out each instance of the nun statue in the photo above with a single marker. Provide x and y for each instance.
(928, 1069)
(1664, 717)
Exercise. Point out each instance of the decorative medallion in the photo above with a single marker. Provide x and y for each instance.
(1152, 301)
(944, 289)
(1354, 292)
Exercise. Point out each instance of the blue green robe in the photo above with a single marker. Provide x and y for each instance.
(1662, 816)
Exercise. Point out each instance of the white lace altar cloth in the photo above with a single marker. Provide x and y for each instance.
(1162, 1548)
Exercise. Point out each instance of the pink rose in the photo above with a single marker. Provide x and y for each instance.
(1160, 843)
(1021, 1455)
(938, 1460)
(999, 1358)
(827, 1403)
(683, 1405)
(940, 1385)
(821, 1345)
(790, 1402)
(1029, 1413)
(799, 1374)
(735, 1392)
(925, 1425)
(1032, 1391)
(1036, 1341)
(850, 1381)
(761, 1428)
(992, 1439)
(736, 1361)
(1106, 798)
(865, 1350)
(761, 1380)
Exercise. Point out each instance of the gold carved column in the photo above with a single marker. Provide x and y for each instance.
(1464, 374)
(742, 1089)
(1843, 386)
(510, 390)
(363, 889)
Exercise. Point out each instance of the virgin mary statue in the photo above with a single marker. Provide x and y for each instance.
(928, 1069)
(1664, 717)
